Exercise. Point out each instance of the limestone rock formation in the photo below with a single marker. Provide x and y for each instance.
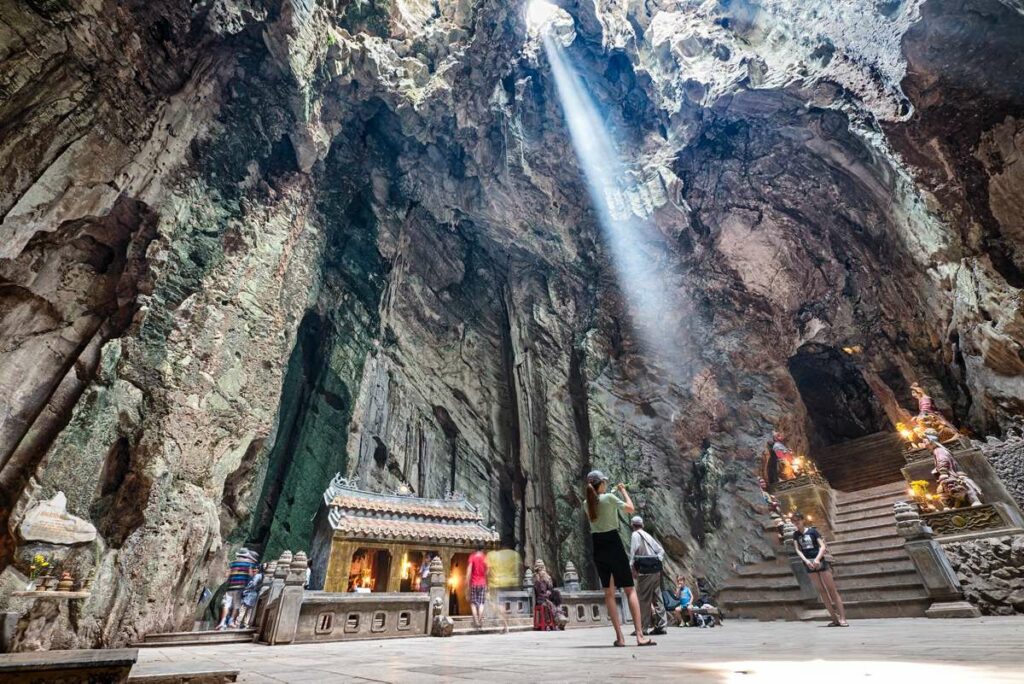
(246, 244)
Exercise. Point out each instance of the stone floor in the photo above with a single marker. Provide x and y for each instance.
(908, 651)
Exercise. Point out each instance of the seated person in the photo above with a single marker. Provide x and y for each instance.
(684, 610)
(545, 594)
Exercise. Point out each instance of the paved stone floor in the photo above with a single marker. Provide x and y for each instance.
(908, 651)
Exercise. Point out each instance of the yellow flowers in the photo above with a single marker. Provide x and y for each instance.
(39, 564)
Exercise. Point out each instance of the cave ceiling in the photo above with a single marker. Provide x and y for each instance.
(247, 244)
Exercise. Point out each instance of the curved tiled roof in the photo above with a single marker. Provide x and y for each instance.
(427, 508)
(414, 530)
(371, 515)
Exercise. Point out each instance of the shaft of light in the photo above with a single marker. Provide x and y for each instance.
(645, 293)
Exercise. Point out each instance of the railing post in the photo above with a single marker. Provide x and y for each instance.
(440, 624)
(570, 578)
(284, 622)
(932, 565)
(273, 599)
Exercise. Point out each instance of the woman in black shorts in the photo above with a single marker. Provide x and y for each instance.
(609, 554)
(811, 548)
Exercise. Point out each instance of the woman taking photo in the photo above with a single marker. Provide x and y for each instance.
(811, 548)
(609, 553)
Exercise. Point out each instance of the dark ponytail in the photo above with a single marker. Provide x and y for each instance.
(591, 502)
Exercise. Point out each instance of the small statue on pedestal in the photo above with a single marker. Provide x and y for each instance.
(774, 508)
(956, 490)
(784, 455)
(928, 418)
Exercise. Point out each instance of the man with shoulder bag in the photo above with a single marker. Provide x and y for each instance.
(646, 557)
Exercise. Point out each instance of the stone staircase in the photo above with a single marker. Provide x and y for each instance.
(862, 463)
(875, 576)
(197, 638)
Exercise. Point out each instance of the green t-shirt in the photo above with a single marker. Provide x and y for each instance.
(608, 506)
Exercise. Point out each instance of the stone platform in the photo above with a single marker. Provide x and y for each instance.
(976, 651)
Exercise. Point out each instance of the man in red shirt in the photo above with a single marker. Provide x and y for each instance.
(476, 573)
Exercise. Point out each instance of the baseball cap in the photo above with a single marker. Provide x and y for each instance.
(595, 477)
(636, 521)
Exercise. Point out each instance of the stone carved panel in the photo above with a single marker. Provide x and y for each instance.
(797, 482)
(960, 520)
(49, 521)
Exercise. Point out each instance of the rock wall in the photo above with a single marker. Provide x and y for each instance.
(246, 244)
(991, 571)
(1007, 459)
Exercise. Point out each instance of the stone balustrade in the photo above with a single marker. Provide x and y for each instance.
(286, 613)
(328, 616)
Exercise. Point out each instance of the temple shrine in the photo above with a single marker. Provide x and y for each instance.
(370, 542)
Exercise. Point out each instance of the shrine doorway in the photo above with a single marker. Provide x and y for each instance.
(370, 570)
(458, 594)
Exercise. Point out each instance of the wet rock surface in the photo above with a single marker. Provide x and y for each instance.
(250, 243)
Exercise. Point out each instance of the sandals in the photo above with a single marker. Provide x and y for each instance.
(649, 642)
(618, 644)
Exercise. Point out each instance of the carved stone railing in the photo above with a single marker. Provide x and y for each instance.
(985, 518)
(798, 482)
(290, 614)
(328, 616)
(932, 565)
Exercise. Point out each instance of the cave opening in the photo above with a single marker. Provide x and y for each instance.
(840, 405)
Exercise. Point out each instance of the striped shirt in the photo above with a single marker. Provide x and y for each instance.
(239, 573)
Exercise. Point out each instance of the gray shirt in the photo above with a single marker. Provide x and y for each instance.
(643, 544)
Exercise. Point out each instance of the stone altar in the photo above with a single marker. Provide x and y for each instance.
(812, 495)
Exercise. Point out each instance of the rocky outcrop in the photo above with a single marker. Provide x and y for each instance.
(1007, 459)
(991, 571)
(247, 244)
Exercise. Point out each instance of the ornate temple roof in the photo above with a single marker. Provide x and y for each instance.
(403, 517)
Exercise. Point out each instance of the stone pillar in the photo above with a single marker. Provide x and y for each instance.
(811, 495)
(284, 622)
(932, 565)
(570, 578)
(440, 624)
(272, 600)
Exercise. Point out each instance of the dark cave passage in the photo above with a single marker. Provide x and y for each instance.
(840, 405)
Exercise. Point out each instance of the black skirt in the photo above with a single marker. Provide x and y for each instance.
(611, 559)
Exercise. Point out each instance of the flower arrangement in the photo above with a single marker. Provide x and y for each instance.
(39, 565)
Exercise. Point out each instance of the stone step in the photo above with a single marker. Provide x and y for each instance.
(770, 583)
(897, 592)
(755, 593)
(875, 531)
(844, 557)
(873, 492)
(867, 518)
(855, 568)
(870, 506)
(863, 482)
(182, 676)
(874, 522)
(198, 638)
(778, 569)
(765, 608)
(845, 548)
(886, 608)
(880, 582)
(463, 624)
